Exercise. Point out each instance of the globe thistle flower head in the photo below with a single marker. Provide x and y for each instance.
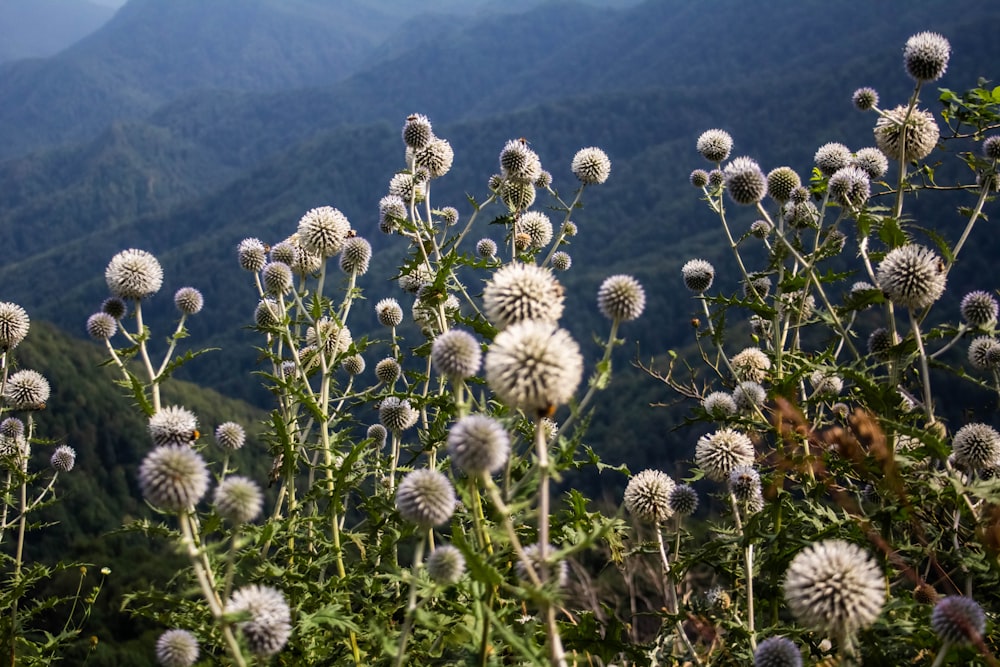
(921, 134)
(391, 210)
(715, 145)
(12, 427)
(134, 274)
(850, 187)
(456, 354)
(173, 477)
(544, 180)
(417, 131)
(561, 261)
(173, 425)
(486, 248)
(252, 254)
(957, 619)
(355, 256)
(517, 195)
(647, 496)
(800, 195)
(323, 231)
(14, 324)
(354, 364)
(698, 178)
(268, 314)
(63, 458)
(519, 163)
(13, 452)
(415, 278)
(777, 652)
(758, 287)
(389, 312)
(991, 147)
(478, 444)
(407, 188)
(926, 56)
(832, 157)
(533, 554)
(698, 275)
(872, 161)
(176, 648)
(534, 366)
(549, 429)
(115, 307)
(683, 500)
(759, 326)
(780, 183)
(716, 178)
(760, 229)
(976, 446)
(27, 390)
(984, 352)
(719, 453)
(277, 278)
(621, 298)
(283, 252)
(230, 436)
(328, 336)
(537, 226)
(387, 371)
(449, 215)
(426, 498)
(306, 262)
(745, 181)
(834, 587)
(825, 383)
(719, 405)
(378, 434)
(436, 157)
(188, 300)
(445, 565)
(744, 483)
(912, 276)
(800, 215)
(879, 343)
(519, 292)
(979, 308)
(865, 98)
(101, 326)
(238, 499)
(591, 166)
(396, 414)
(268, 623)
(749, 396)
(751, 364)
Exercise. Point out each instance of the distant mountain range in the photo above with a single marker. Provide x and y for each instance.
(43, 28)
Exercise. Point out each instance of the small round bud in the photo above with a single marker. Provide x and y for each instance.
(716, 178)
(777, 652)
(378, 433)
(270, 623)
(517, 195)
(449, 215)
(683, 500)
(230, 436)
(865, 98)
(12, 428)
(268, 314)
(355, 256)
(486, 248)
(698, 178)
(758, 287)
(101, 326)
(714, 145)
(781, 182)
(879, 343)
(445, 565)
(115, 307)
(977, 446)
(238, 499)
(354, 364)
(561, 261)
(277, 278)
(979, 308)
(189, 300)
(284, 252)
(760, 229)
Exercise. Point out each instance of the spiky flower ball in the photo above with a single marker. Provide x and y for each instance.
(621, 298)
(478, 444)
(957, 619)
(533, 554)
(173, 425)
(26, 390)
(757, 287)
(979, 308)
(436, 157)
(865, 98)
(387, 370)
(800, 215)
(378, 434)
(134, 274)
(534, 366)
(14, 324)
(879, 343)
(718, 453)
(698, 275)
(751, 364)
(284, 252)
(561, 261)
(354, 364)
(445, 565)
(780, 183)
(719, 404)
(277, 278)
(991, 147)
(976, 446)
(647, 496)
(486, 248)
(517, 195)
(12, 427)
(745, 181)
(744, 484)
(872, 161)
(912, 276)
(760, 229)
(426, 498)
(826, 383)
(715, 145)
(749, 396)
(926, 56)
(389, 312)
(238, 499)
(984, 352)
(683, 500)
(698, 178)
(921, 133)
(173, 477)
(397, 414)
(456, 354)
(519, 292)
(835, 587)
(391, 209)
(591, 166)
(230, 436)
(270, 620)
(268, 313)
(520, 163)
(831, 157)
(537, 226)
(415, 278)
(188, 300)
(777, 652)
(176, 648)
(417, 131)
(101, 326)
(323, 231)
(850, 187)
(115, 307)
(716, 178)
(63, 459)
(355, 256)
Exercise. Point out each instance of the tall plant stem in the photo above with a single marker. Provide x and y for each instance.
(924, 369)
(411, 604)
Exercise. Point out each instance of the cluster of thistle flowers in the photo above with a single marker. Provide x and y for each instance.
(832, 586)
(174, 476)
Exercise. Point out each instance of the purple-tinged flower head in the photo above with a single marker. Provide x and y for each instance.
(976, 446)
(188, 300)
(926, 56)
(979, 308)
(719, 405)
(865, 99)
(377, 433)
(63, 458)
(957, 619)
(760, 229)
(115, 307)
(777, 652)
(397, 414)
(879, 343)
(12, 428)
(426, 498)
(991, 147)
(832, 157)
(134, 274)
(745, 181)
(715, 145)
(984, 353)
(101, 326)
(683, 500)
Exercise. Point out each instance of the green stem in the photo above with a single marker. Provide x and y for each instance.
(411, 605)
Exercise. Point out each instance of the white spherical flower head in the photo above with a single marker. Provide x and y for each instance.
(749, 396)
(426, 498)
(456, 354)
(396, 414)
(391, 210)
(922, 133)
(417, 131)
(173, 425)
(14, 323)
(389, 312)
(387, 370)
(436, 157)
(719, 404)
(415, 278)
(238, 499)
(134, 274)
(27, 390)
(698, 275)
(832, 157)
(912, 276)
(323, 231)
(478, 444)
(101, 326)
(984, 352)
(277, 278)
(176, 648)
(404, 186)
(534, 366)
(621, 298)
(230, 436)
(354, 364)
(979, 308)
(520, 163)
(872, 161)
(591, 166)
(355, 256)
(957, 619)
(751, 364)
(976, 446)
(189, 301)
(865, 98)
(717, 454)
(835, 587)
(647, 496)
(537, 226)
(926, 56)
(268, 313)
(268, 620)
(826, 383)
(330, 337)
(517, 195)
(446, 565)
(781, 181)
(63, 459)
(252, 254)
(377, 433)
(519, 292)
(850, 187)
(561, 261)
(745, 181)
(486, 248)
(173, 477)
(714, 145)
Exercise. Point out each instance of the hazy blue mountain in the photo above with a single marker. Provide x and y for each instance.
(42, 28)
